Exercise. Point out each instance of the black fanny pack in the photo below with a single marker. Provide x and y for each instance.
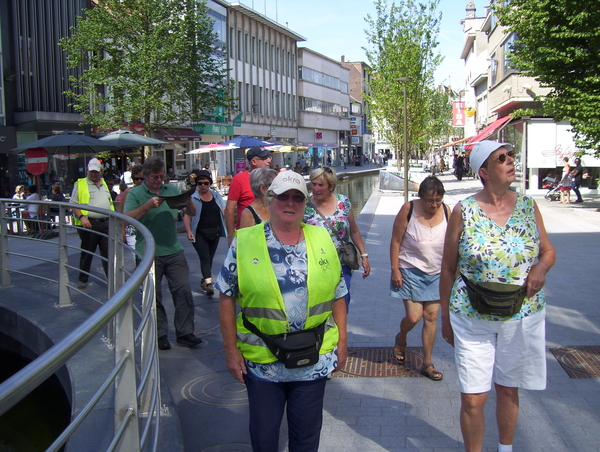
(503, 300)
(210, 233)
(297, 349)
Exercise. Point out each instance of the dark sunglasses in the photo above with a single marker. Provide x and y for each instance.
(296, 198)
(502, 157)
(138, 178)
(327, 170)
(204, 182)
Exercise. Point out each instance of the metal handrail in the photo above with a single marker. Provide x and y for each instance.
(132, 339)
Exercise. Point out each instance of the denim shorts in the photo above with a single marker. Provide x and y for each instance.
(417, 286)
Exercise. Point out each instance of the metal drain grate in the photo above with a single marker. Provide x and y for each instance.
(579, 362)
(380, 362)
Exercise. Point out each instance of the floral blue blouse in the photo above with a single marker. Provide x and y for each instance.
(491, 253)
(340, 220)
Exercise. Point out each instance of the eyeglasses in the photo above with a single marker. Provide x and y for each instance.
(431, 202)
(502, 157)
(326, 169)
(157, 176)
(296, 198)
(138, 178)
(204, 182)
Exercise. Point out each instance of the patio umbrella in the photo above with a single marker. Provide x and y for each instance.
(128, 139)
(68, 141)
(244, 141)
(210, 147)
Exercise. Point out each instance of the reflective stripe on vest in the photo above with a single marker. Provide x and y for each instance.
(260, 297)
(83, 196)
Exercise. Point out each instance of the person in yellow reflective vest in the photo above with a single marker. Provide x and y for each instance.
(286, 278)
(92, 191)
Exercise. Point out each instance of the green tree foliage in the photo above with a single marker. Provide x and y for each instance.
(559, 45)
(403, 39)
(146, 61)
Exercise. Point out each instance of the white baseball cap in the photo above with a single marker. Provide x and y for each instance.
(288, 180)
(94, 165)
(482, 151)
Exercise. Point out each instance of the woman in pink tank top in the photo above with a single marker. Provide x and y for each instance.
(416, 257)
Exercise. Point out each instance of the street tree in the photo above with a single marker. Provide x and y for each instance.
(150, 62)
(402, 55)
(558, 43)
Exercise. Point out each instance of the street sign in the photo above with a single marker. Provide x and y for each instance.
(36, 161)
(213, 129)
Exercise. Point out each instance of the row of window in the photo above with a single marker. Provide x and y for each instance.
(319, 106)
(264, 101)
(320, 78)
(253, 51)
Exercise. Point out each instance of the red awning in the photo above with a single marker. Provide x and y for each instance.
(462, 140)
(179, 135)
(492, 128)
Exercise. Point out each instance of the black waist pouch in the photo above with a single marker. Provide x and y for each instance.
(503, 300)
(297, 349)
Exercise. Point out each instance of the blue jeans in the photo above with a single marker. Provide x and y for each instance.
(347, 272)
(267, 402)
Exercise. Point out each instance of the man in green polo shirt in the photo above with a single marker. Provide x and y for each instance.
(146, 204)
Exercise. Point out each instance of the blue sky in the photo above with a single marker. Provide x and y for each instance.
(335, 28)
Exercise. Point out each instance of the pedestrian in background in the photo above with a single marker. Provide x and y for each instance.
(146, 204)
(333, 211)
(565, 183)
(577, 175)
(205, 227)
(91, 191)
(495, 236)
(128, 229)
(416, 259)
(258, 212)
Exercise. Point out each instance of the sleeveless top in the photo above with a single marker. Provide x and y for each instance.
(340, 220)
(491, 253)
(422, 247)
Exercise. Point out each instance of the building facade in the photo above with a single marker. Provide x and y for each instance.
(495, 89)
(323, 106)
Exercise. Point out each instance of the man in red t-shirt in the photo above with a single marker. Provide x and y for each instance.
(240, 193)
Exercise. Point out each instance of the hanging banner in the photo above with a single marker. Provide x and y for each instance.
(458, 114)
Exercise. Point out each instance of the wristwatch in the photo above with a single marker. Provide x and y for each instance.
(80, 216)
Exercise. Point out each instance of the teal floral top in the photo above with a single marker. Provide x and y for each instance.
(491, 253)
(340, 220)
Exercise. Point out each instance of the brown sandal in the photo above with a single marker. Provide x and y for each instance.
(400, 356)
(431, 374)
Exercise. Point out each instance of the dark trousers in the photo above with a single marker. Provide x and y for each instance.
(347, 272)
(575, 186)
(175, 268)
(267, 401)
(89, 242)
(206, 250)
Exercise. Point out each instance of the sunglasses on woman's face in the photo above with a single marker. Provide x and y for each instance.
(296, 198)
(502, 157)
(204, 182)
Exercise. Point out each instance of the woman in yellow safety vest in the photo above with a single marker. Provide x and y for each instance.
(286, 277)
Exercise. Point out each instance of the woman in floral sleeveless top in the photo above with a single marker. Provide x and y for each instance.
(495, 236)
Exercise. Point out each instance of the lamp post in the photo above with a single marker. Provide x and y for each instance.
(404, 80)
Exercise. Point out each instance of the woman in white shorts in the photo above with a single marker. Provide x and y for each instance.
(495, 236)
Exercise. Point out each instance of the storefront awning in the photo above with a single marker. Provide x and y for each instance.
(179, 135)
(462, 140)
(489, 130)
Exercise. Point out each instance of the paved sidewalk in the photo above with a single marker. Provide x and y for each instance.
(411, 414)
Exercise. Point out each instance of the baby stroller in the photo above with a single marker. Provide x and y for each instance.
(553, 193)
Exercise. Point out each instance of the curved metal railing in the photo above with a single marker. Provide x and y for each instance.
(129, 328)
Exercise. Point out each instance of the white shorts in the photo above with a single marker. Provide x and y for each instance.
(512, 353)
